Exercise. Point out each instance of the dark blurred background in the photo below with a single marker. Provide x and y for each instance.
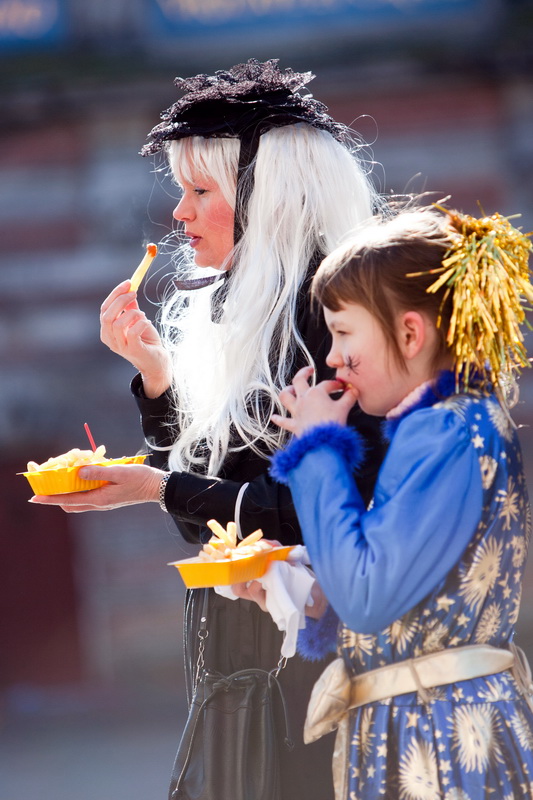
(91, 689)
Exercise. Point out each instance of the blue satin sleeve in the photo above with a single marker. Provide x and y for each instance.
(376, 565)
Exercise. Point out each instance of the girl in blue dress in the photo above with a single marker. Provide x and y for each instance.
(430, 697)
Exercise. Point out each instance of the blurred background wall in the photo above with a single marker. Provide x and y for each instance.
(442, 90)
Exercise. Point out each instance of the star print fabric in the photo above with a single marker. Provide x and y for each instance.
(473, 739)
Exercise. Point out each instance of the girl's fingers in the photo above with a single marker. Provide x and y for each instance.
(286, 423)
(348, 400)
(331, 386)
(287, 398)
(300, 381)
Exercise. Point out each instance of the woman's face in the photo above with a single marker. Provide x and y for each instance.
(208, 220)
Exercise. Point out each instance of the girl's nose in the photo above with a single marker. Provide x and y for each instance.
(333, 359)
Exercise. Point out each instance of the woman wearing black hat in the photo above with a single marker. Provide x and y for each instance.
(270, 184)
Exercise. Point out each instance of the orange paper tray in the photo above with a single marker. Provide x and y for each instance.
(198, 574)
(64, 480)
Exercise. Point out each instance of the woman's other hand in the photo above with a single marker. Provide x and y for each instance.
(127, 331)
(313, 405)
(253, 590)
(127, 485)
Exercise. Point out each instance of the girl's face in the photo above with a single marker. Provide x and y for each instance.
(361, 356)
(208, 220)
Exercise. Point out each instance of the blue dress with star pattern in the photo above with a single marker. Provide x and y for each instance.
(436, 562)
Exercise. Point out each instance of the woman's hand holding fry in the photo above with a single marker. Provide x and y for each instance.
(127, 331)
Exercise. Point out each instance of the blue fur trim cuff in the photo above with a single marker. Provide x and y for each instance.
(319, 637)
(346, 441)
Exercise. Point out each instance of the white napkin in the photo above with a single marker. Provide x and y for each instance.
(288, 590)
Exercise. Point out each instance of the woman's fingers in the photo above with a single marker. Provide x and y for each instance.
(251, 591)
(143, 331)
(132, 336)
(126, 484)
(118, 301)
(120, 290)
(116, 311)
(125, 320)
(73, 501)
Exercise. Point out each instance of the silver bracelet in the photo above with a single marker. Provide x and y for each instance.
(162, 489)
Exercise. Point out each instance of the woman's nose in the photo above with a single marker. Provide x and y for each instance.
(183, 211)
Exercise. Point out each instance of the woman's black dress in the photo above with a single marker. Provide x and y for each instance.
(240, 634)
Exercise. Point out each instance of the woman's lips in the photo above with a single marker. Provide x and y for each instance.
(195, 240)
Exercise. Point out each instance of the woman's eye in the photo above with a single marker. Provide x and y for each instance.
(200, 191)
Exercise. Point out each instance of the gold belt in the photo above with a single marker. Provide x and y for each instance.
(336, 692)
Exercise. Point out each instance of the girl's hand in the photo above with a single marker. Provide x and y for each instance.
(127, 484)
(312, 405)
(126, 330)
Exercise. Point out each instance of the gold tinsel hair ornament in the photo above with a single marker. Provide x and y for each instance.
(486, 267)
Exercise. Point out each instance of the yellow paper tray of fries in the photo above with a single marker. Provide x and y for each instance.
(63, 480)
(198, 574)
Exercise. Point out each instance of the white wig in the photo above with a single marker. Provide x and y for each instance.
(308, 192)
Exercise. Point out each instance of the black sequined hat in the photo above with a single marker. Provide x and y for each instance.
(242, 102)
(248, 98)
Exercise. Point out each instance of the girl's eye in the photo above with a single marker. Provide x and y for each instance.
(200, 191)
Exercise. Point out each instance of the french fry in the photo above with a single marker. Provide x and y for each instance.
(74, 458)
(219, 531)
(232, 532)
(217, 543)
(251, 539)
(223, 544)
(215, 553)
(144, 266)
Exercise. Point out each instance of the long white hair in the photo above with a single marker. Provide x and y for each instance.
(308, 192)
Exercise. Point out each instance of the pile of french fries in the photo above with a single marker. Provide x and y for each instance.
(74, 458)
(223, 544)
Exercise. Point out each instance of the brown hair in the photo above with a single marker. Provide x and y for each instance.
(386, 267)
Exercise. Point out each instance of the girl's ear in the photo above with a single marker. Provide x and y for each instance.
(411, 333)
